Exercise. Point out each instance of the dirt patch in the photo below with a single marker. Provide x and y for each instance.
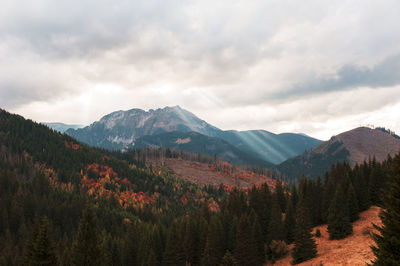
(205, 174)
(353, 250)
(183, 141)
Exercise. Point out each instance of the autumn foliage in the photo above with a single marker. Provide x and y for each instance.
(102, 181)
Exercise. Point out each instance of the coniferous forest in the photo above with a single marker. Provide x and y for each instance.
(65, 203)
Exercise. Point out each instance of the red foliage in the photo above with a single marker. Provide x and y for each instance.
(72, 145)
(107, 176)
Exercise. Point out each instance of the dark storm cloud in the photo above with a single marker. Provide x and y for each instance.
(384, 74)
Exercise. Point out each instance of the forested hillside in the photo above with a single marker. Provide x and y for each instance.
(64, 203)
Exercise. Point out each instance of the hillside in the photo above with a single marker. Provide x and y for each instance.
(205, 174)
(61, 127)
(353, 250)
(274, 148)
(197, 143)
(71, 165)
(354, 146)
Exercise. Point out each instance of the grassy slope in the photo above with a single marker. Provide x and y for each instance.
(353, 250)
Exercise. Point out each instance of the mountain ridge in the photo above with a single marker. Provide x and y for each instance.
(120, 130)
(354, 147)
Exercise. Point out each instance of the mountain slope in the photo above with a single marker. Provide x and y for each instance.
(352, 250)
(197, 143)
(121, 129)
(61, 127)
(353, 146)
(274, 148)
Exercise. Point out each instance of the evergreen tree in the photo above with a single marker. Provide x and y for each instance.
(243, 250)
(352, 204)
(191, 242)
(304, 245)
(290, 222)
(280, 195)
(257, 240)
(339, 225)
(87, 249)
(213, 251)
(260, 201)
(174, 254)
(388, 239)
(43, 252)
(276, 229)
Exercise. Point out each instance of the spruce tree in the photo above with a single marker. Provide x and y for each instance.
(387, 249)
(352, 203)
(290, 222)
(191, 242)
(213, 251)
(280, 195)
(243, 249)
(304, 245)
(339, 225)
(174, 254)
(43, 252)
(276, 229)
(87, 247)
(257, 239)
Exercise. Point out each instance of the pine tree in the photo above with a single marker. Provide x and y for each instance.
(213, 251)
(257, 239)
(174, 254)
(388, 240)
(243, 250)
(280, 195)
(191, 242)
(352, 204)
(43, 252)
(276, 229)
(339, 225)
(260, 201)
(304, 245)
(290, 222)
(87, 248)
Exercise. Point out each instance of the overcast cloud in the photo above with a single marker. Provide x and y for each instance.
(317, 67)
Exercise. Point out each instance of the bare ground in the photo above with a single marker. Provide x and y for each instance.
(353, 250)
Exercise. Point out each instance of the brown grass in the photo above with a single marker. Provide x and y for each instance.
(353, 250)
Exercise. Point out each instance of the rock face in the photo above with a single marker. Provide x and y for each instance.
(120, 129)
(354, 146)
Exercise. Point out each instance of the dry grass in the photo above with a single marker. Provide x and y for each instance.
(353, 250)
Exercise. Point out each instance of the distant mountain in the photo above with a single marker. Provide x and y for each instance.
(353, 146)
(198, 143)
(122, 129)
(274, 148)
(61, 127)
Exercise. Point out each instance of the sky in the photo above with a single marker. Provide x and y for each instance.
(317, 67)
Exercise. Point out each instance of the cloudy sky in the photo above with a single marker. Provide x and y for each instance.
(317, 67)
